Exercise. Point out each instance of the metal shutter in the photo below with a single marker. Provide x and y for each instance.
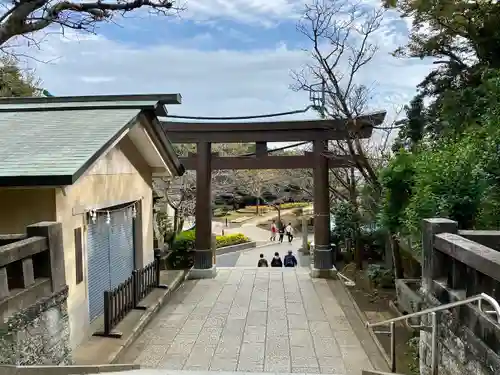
(98, 265)
(121, 243)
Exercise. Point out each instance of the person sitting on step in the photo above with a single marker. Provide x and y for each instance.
(262, 261)
(276, 262)
(289, 260)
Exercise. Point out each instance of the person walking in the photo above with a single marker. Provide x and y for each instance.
(281, 232)
(289, 260)
(289, 232)
(262, 261)
(276, 262)
(274, 229)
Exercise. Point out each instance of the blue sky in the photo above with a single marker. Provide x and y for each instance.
(226, 58)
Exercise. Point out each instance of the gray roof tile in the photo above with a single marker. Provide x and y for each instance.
(51, 143)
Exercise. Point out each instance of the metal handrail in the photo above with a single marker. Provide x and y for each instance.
(347, 281)
(434, 326)
(479, 297)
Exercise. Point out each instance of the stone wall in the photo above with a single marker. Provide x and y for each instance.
(456, 268)
(460, 350)
(38, 334)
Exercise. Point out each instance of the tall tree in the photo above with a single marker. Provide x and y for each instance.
(14, 82)
(463, 39)
(342, 38)
(25, 17)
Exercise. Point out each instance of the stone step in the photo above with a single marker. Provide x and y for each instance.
(145, 371)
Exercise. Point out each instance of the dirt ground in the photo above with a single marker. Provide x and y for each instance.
(375, 304)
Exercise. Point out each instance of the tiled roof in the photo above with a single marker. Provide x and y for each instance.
(56, 143)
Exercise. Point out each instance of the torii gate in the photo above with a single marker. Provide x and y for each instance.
(320, 160)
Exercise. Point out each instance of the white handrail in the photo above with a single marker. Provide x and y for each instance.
(347, 281)
(480, 297)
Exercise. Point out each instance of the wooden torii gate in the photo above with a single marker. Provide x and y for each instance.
(320, 160)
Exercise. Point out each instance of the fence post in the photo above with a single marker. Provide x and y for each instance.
(107, 312)
(157, 270)
(135, 299)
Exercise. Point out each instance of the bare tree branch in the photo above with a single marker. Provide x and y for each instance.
(25, 17)
(341, 35)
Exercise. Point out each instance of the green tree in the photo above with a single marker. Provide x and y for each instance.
(15, 83)
(456, 176)
(463, 39)
(412, 130)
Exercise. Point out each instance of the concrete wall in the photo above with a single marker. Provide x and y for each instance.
(22, 207)
(120, 176)
(38, 334)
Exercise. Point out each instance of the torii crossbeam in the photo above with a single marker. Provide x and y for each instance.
(320, 160)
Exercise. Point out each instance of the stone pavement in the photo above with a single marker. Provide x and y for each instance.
(249, 258)
(252, 320)
(252, 231)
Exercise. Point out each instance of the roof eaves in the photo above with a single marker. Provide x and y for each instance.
(41, 180)
(164, 99)
(152, 119)
(154, 102)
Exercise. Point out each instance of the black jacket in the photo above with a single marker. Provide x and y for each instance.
(276, 262)
(262, 263)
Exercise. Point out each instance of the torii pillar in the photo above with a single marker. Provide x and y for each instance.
(323, 257)
(203, 267)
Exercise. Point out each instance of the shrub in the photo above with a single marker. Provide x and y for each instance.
(185, 241)
(285, 206)
(231, 239)
(380, 276)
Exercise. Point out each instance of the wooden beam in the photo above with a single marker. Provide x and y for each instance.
(267, 162)
(261, 148)
(269, 131)
(248, 136)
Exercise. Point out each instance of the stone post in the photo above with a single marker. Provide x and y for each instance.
(304, 249)
(430, 228)
(55, 260)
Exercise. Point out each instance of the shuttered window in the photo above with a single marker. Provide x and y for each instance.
(78, 255)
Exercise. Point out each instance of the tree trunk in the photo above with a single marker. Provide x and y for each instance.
(181, 225)
(396, 256)
(176, 221)
(388, 258)
(257, 207)
(358, 249)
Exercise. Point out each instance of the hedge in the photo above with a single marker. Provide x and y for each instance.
(184, 241)
(231, 239)
(283, 206)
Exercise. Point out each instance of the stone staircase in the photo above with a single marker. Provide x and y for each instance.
(132, 369)
(145, 371)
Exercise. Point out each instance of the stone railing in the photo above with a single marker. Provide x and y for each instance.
(457, 265)
(34, 327)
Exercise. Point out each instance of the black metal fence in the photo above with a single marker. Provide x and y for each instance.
(119, 301)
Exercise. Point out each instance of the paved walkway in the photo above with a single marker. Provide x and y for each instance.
(253, 320)
(249, 258)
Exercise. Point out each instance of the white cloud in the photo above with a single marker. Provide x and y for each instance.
(212, 83)
(250, 11)
(216, 82)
